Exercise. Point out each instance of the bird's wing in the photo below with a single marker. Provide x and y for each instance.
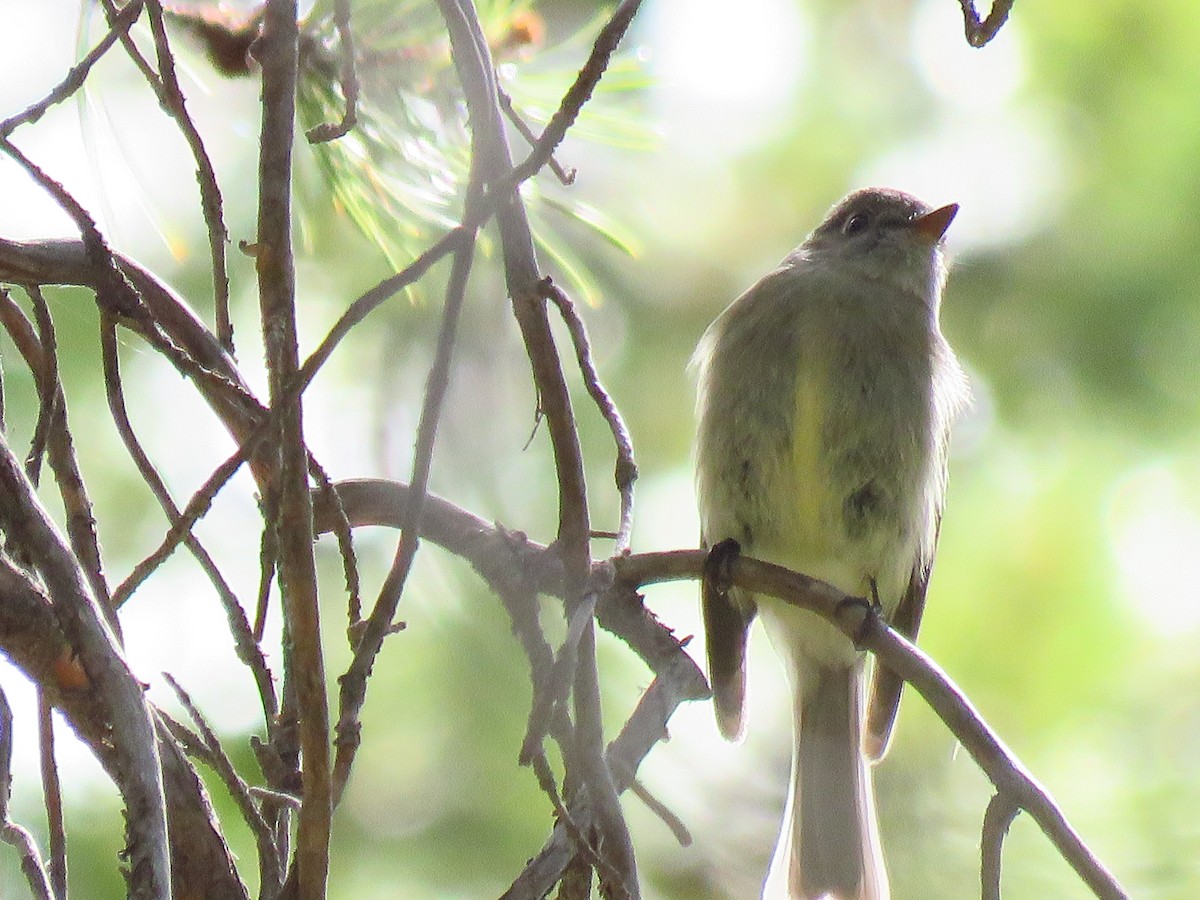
(886, 685)
(727, 619)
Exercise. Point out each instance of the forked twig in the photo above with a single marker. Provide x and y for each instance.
(626, 472)
(980, 32)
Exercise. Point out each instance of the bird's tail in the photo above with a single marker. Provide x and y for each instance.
(829, 845)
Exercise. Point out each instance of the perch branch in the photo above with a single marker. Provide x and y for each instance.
(857, 621)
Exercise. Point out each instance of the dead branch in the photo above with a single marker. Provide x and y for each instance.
(304, 662)
(138, 770)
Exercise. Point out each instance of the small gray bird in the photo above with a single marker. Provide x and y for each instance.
(826, 394)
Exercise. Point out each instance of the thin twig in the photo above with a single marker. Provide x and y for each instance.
(270, 866)
(347, 77)
(47, 381)
(626, 469)
(10, 832)
(268, 557)
(52, 797)
(997, 819)
(605, 45)
(980, 32)
(660, 809)
(545, 777)
(566, 177)
(275, 796)
(245, 645)
(552, 690)
(78, 74)
(345, 542)
(378, 624)
(368, 302)
(81, 524)
(171, 98)
(199, 504)
(644, 729)
(5, 299)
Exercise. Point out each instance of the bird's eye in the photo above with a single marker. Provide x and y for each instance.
(855, 224)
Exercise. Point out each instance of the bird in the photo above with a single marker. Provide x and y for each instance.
(826, 394)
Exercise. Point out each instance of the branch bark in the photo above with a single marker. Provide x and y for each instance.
(304, 662)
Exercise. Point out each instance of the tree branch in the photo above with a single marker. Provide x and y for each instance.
(855, 618)
(303, 655)
(997, 818)
(138, 770)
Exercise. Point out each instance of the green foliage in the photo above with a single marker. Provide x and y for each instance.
(400, 174)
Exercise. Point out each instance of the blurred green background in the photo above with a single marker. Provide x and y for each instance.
(1065, 599)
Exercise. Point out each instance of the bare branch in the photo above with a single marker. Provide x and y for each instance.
(379, 623)
(565, 177)
(78, 74)
(10, 832)
(341, 530)
(198, 354)
(49, 392)
(473, 62)
(81, 525)
(181, 526)
(31, 637)
(304, 658)
(270, 866)
(52, 797)
(855, 618)
(997, 819)
(139, 774)
(552, 691)
(626, 470)
(171, 97)
(577, 95)
(980, 32)
(245, 643)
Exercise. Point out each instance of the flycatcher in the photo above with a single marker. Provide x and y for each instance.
(826, 393)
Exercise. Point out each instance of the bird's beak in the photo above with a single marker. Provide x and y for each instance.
(933, 225)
